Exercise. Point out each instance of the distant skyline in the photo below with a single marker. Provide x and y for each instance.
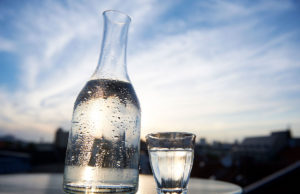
(221, 69)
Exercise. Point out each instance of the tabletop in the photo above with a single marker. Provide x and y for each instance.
(52, 183)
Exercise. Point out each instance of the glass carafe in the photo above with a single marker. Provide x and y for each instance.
(103, 147)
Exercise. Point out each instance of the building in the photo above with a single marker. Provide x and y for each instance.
(61, 138)
(14, 162)
(264, 147)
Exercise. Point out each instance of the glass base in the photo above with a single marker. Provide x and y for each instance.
(99, 189)
(171, 191)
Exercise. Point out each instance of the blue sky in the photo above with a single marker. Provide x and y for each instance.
(221, 69)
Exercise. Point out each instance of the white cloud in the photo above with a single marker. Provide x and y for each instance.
(218, 80)
(53, 70)
(6, 45)
(207, 80)
(236, 12)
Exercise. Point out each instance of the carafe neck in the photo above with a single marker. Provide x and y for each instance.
(112, 61)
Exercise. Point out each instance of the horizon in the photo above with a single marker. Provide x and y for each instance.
(143, 138)
(223, 70)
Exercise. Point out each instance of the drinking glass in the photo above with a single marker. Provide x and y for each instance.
(171, 159)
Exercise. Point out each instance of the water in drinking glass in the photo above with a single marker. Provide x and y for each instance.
(171, 159)
(171, 167)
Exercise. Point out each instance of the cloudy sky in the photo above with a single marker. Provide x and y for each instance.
(221, 69)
